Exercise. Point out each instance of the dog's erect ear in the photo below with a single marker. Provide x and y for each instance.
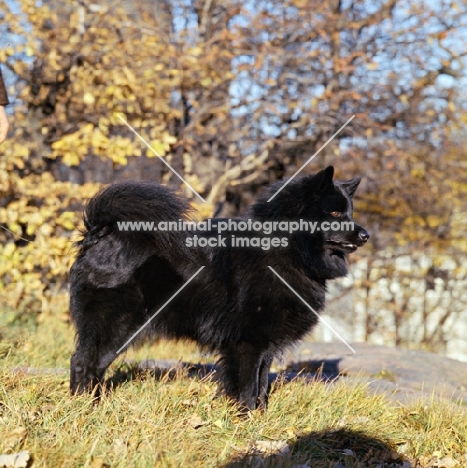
(350, 186)
(323, 179)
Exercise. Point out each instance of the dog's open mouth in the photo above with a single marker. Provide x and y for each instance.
(339, 246)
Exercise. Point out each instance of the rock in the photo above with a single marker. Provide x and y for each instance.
(400, 373)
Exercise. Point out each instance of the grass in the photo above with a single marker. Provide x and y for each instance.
(179, 422)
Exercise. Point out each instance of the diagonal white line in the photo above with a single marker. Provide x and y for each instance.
(161, 158)
(313, 310)
(317, 152)
(148, 321)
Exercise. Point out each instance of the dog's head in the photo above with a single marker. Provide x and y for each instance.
(330, 204)
(320, 200)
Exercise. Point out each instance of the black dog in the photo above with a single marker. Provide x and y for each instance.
(235, 306)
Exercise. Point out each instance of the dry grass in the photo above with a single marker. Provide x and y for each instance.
(180, 423)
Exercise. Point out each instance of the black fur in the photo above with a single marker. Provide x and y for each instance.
(235, 307)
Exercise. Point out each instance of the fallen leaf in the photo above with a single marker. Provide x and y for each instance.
(447, 462)
(98, 463)
(218, 423)
(195, 421)
(15, 437)
(276, 446)
(120, 445)
(14, 460)
(189, 402)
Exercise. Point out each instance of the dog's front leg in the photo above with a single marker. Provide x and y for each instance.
(240, 373)
(263, 381)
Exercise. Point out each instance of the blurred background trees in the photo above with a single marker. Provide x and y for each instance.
(235, 95)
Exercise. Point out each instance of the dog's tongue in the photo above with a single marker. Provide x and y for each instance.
(348, 246)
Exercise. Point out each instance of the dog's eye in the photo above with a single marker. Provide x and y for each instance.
(335, 214)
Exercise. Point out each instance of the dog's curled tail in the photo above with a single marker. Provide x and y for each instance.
(130, 213)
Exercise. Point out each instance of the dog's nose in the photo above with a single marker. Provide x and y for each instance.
(364, 235)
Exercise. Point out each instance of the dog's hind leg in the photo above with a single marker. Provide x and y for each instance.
(88, 366)
(105, 320)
